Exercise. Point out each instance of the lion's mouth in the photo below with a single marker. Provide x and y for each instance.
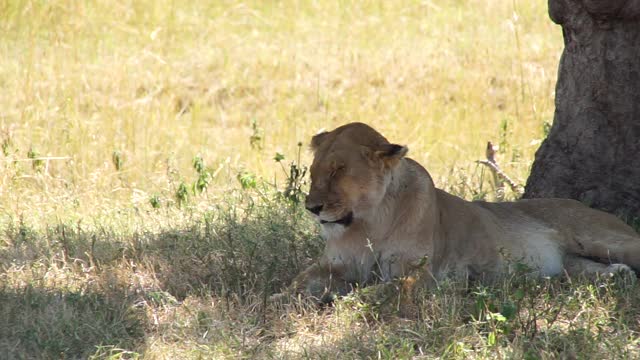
(346, 221)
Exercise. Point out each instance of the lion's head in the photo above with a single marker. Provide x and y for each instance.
(350, 173)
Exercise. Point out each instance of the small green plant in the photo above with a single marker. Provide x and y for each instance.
(6, 145)
(204, 175)
(155, 202)
(247, 180)
(182, 193)
(37, 162)
(198, 164)
(493, 314)
(161, 298)
(116, 158)
(257, 135)
(295, 177)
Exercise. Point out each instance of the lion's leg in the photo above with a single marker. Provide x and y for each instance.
(613, 249)
(318, 281)
(579, 266)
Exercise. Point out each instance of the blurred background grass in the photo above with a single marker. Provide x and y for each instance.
(160, 82)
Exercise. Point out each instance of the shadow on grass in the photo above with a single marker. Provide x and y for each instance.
(583, 343)
(56, 323)
(67, 290)
(73, 291)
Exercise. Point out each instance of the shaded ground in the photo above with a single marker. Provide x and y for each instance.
(200, 290)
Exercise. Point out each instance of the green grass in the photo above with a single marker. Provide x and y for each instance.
(142, 214)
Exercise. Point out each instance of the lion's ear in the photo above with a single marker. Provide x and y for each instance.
(392, 150)
(318, 139)
(387, 155)
(391, 153)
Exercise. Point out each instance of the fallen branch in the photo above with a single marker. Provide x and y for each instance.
(499, 176)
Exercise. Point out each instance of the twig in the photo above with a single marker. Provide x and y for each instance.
(499, 176)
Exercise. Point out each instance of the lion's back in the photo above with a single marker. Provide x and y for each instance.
(570, 218)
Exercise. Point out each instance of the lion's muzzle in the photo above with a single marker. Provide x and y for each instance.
(346, 220)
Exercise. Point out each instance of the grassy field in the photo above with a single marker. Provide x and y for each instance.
(142, 213)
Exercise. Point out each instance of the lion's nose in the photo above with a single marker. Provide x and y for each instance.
(315, 209)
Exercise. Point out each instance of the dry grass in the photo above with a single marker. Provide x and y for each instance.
(108, 252)
(160, 82)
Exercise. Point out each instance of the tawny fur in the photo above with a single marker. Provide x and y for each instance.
(401, 221)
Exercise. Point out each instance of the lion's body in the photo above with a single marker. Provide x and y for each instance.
(382, 217)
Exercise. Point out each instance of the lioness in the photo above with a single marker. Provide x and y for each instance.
(382, 216)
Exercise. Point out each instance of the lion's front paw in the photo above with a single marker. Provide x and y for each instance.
(622, 271)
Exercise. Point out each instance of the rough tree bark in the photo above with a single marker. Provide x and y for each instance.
(592, 152)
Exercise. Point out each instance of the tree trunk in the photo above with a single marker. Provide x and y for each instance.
(592, 152)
